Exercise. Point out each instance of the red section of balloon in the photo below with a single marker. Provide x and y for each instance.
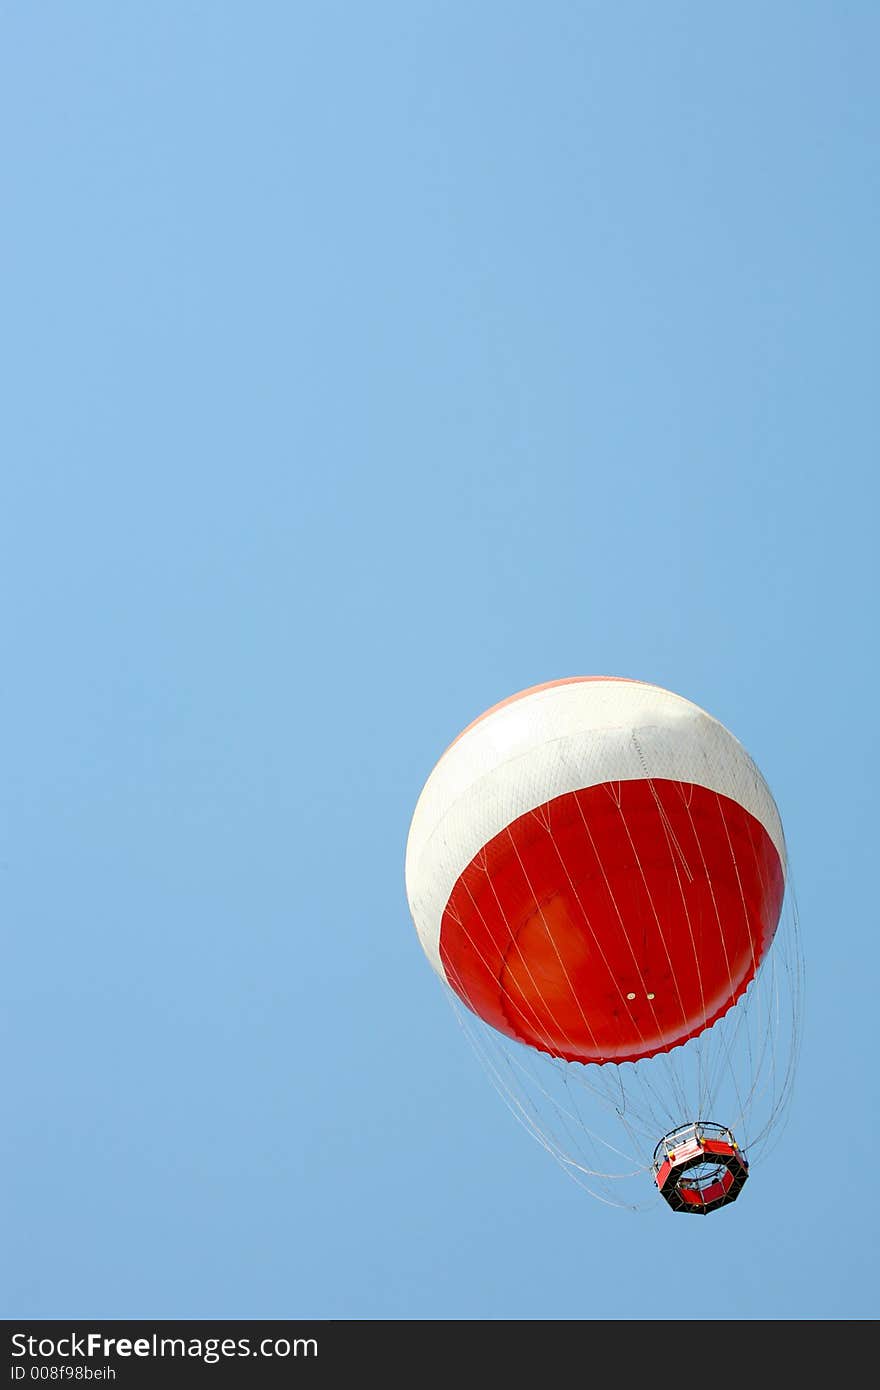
(614, 922)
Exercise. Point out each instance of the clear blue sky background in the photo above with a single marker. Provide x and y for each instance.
(361, 365)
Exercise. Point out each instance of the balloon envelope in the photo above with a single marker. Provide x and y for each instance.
(596, 867)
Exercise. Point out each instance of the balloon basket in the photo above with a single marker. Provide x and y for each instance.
(699, 1167)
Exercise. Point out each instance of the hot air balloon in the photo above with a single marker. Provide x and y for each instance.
(597, 872)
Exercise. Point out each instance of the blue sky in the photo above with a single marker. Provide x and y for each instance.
(361, 366)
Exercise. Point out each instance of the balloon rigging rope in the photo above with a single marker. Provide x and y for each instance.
(658, 1093)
